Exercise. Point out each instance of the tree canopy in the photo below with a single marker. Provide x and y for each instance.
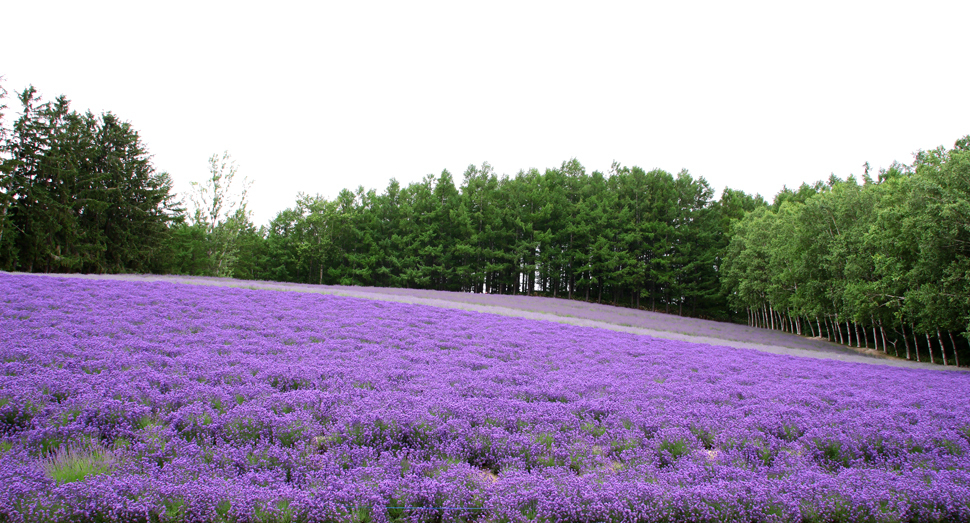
(79, 193)
(880, 263)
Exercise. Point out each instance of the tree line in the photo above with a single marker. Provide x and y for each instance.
(880, 263)
(631, 236)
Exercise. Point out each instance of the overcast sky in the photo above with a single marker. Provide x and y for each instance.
(313, 99)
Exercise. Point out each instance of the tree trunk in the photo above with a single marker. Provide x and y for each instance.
(838, 328)
(912, 327)
(929, 346)
(875, 339)
(956, 357)
(865, 337)
(942, 346)
(857, 341)
(848, 333)
(882, 331)
(905, 339)
(819, 325)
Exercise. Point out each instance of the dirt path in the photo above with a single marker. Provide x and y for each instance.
(440, 299)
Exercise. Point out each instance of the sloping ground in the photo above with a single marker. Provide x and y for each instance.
(659, 325)
(155, 401)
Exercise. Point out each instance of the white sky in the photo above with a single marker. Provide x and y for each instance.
(750, 95)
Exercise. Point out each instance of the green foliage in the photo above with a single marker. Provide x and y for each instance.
(77, 462)
(672, 449)
(832, 454)
(292, 434)
(622, 238)
(245, 430)
(872, 264)
(222, 509)
(221, 215)
(174, 509)
(593, 429)
(78, 193)
(280, 512)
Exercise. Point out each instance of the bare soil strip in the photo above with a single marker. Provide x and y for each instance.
(831, 351)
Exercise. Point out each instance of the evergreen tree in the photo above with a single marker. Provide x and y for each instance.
(80, 193)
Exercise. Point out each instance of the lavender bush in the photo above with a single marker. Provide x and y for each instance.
(131, 401)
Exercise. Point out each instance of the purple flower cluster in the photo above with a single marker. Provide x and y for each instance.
(221, 404)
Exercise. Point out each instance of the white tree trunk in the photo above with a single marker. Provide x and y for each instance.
(882, 330)
(942, 346)
(956, 357)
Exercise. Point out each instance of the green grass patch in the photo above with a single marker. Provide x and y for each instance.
(78, 462)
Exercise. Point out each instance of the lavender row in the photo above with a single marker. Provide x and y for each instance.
(158, 401)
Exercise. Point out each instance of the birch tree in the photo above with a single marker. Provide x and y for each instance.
(220, 210)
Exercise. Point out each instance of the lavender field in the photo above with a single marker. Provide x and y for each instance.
(156, 401)
(668, 326)
(642, 319)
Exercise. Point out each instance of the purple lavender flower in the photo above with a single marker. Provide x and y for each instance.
(187, 403)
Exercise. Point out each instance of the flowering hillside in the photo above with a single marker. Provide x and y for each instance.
(134, 401)
(627, 317)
